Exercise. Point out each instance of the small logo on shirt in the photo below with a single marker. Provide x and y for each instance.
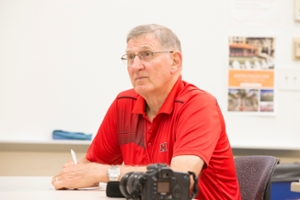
(163, 147)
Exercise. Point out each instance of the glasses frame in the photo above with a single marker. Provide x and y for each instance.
(125, 60)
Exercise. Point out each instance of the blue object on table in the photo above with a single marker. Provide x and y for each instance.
(66, 135)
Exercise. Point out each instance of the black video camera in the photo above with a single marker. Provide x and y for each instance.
(158, 182)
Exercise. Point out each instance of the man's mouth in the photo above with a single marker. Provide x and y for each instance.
(140, 77)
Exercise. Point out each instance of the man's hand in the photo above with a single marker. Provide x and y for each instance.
(80, 175)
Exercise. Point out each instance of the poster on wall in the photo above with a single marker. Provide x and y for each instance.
(251, 75)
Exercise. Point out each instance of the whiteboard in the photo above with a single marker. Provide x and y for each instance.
(60, 64)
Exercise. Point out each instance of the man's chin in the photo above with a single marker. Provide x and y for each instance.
(141, 89)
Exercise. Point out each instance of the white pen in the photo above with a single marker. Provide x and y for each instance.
(73, 156)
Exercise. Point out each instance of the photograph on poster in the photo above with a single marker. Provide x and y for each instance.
(266, 100)
(243, 100)
(251, 74)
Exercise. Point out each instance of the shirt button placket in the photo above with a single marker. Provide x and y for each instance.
(149, 143)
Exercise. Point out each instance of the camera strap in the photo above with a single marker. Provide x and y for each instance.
(195, 188)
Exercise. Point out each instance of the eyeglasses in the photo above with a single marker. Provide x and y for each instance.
(143, 55)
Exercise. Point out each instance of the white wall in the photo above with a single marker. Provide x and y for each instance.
(60, 64)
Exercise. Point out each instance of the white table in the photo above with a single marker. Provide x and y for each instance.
(40, 187)
(295, 186)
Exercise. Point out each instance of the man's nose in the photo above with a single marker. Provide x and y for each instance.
(137, 62)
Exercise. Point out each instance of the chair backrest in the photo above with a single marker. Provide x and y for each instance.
(254, 175)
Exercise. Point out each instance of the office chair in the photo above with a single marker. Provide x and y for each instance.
(254, 176)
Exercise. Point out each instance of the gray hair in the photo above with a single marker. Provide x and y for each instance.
(164, 35)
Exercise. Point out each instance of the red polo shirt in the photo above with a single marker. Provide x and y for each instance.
(189, 123)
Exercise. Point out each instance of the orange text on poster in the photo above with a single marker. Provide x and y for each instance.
(265, 78)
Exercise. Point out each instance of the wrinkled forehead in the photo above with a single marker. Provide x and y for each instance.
(145, 41)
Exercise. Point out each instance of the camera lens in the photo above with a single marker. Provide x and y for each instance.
(133, 183)
(123, 184)
(130, 185)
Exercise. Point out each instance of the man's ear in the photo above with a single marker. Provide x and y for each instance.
(176, 61)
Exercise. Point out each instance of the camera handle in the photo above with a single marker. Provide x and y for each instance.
(195, 188)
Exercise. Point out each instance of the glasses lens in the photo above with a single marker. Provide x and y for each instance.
(146, 55)
(128, 59)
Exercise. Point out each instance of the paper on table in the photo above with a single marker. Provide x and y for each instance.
(101, 187)
(88, 188)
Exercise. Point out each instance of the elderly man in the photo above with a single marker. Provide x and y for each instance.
(163, 119)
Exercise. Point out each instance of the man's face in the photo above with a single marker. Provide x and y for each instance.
(153, 77)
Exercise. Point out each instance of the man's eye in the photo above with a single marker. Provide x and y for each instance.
(146, 54)
(130, 56)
